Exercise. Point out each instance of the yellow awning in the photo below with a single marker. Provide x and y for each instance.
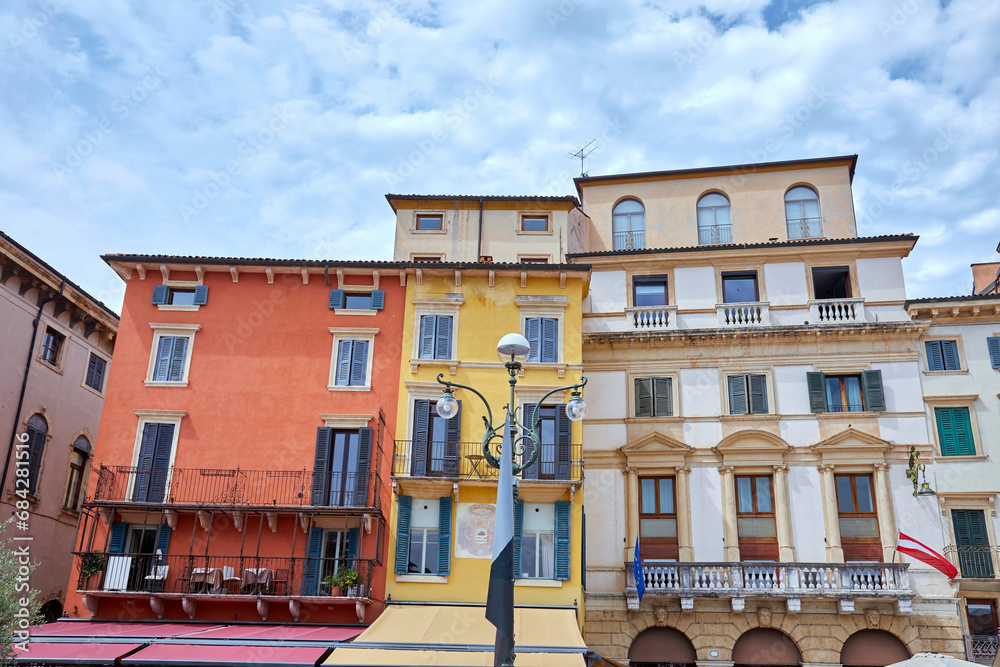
(458, 636)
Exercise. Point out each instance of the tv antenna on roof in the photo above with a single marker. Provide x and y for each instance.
(583, 153)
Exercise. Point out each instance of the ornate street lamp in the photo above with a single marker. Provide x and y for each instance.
(513, 349)
(913, 470)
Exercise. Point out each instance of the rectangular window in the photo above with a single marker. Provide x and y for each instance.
(975, 556)
(171, 359)
(435, 441)
(554, 429)
(181, 297)
(153, 464)
(843, 393)
(747, 394)
(341, 467)
(982, 616)
(859, 534)
(755, 521)
(52, 344)
(954, 429)
(649, 291)
(543, 337)
(95, 372)
(653, 397)
(352, 363)
(537, 541)
(165, 295)
(534, 223)
(657, 518)
(832, 282)
(740, 287)
(429, 222)
(435, 337)
(942, 355)
(423, 536)
(846, 393)
(343, 299)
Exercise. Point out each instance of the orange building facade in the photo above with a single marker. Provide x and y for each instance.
(243, 468)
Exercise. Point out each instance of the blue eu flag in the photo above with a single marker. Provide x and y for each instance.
(640, 581)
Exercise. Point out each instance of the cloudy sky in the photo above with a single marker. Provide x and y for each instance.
(252, 128)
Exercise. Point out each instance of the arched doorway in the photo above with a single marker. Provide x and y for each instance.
(766, 646)
(872, 648)
(661, 647)
(51, 611)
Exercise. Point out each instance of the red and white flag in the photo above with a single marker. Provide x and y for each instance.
(911, 547)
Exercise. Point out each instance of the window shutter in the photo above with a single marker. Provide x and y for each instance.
(563, 443)
(935, 360)
(359, 363)
(444, 537)
(164, 352)
(92, 371)
(947, 434)
(421, 426)
(533, 332)
(178, 355)
(550, 340)
(532, 471)
(874, 393)
(993, 345)
(144, 467)
(583, 548)
(453, 432)
(970, 533)
(116, 539)
(378, 299)
(353, 536)
(949, 350)
(737, 395)
(36, 449)
(442, 339)
(321, 467)
(201, 295)
(427, 342)
(758, 394)
(963, 432)
(644, 397)
(518, 531)
(161, 463)
(336, 298)
(310, 574)
(562, 569)
(816, 383)
(403, 513)
(344, 362)
(163, 538)
(160, 294)
(663, 399)
(364, 462)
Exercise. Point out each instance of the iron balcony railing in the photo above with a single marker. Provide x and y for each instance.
(981, 649)
(974, 562)
(805, 228)
(465, 460)
(235, 487)
(635, 240)
(713, 234)
(220, 575)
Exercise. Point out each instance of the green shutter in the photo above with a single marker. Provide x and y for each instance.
(973, 544)
(993, 345)
(955, 432)
(518, 531)
(336, 298)
(116, 540)
(444, 537)
(935, 360)
(562, 569)
(874, 393)
(644, 397)
(816, 383)
(378, 299)
(404, 506)
(160, 294)
(758, 394)
(738, 395)
(200, 295)
(663, 400)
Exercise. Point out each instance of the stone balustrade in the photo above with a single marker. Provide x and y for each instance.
(836, 311)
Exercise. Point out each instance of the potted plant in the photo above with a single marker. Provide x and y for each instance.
(332, 582)
(91, 563)
(347, 578)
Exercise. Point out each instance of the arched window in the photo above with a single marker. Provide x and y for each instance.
(802, 213)
(714, 223)
(37, 431)
(629, 225)
(77, 473)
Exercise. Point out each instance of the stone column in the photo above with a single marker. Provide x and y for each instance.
(834, 552)
(685, 542)
(730, 533)
(883, 505)
(631, 513)
(783, 514)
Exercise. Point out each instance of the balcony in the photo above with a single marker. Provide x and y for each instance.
(223, 580)
(974, 562)
(201, 487)
(792, 581)
(432, 459)
(981, 648)
(652, 318)
(634, 240)
(715, 234)
(736, 315)
(805, 228)
(836, 311)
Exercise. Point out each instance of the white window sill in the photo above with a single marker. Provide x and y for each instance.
(857, 414)
(559, 367)
(347, 387)
(535, 232)
(164, 383)
(450, 364)
(538, 583)
(943, 458)
(963, 371)
(354, 311)
(421, 579)
(170, 306)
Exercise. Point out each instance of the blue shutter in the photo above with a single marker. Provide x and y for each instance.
(359, 363)
(425, 349)
(314, 550)
(353, 537)
(344, 363)
(563, 443)
(453, 432)
(164, 352)
(403, 512)
(758, 394)
(364, 461)
(161, 463)
(92, 375)
(935, 360)
(949, 350)
(378, 299)
(178, 355)
(533, 332)
(421, 427)
(116, 540)
(442, 338)
(444, 537)
(993, 345)
(336, 298)
(321, 467)
(163, 538)
(518, 532)
(530, 472)
(160, 294)
(200, 295)
(874, 394)
(550, 340)
(562, 569)
(816, 383)
(144, 467)
(738, 395)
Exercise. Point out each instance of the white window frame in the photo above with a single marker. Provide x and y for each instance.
(551, 531)
(180, 330)
(545, 306)
(436, 526)
(351, 333)
(157, 417)
(450, 306)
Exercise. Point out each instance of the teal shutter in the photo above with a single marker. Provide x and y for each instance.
(562, 569)
(533, 332)
(321, 467)
(353, 537)
(949, 350)
(378, 299)
(177, 357)
(644, 397)
(935, 359)
(404, 506)
(816, 384)
(344, 362)
(163, 538)
(737, 395)
(365, 434)
(518, 531)
(993, 345)
(160, 295)
(426, 347)
(421, 427)
(955, 432)
(550, 340)
(359, 363)
(116, 539)
(663, 399)
(310, 574)
(200, 295)
(758, 394)
(336, 298)
(444, 537)
(874, 393)
(973, 544)
(442, 338)
(563, 443)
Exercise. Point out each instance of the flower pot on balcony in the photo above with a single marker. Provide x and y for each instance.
(336, 591)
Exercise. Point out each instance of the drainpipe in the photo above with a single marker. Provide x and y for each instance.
(24, 380)
(479, 241)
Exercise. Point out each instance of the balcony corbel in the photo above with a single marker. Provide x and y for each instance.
(304, 521)
(205, 519)
(107, 514)
(846, 605)
(91, 602)
(739, 604)
(272, 521)
(262, 608)
(171, 518)
(794, 604)
(156, 604)
(238, 520)
(366, 521)
(189, 605)
(359, 609)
